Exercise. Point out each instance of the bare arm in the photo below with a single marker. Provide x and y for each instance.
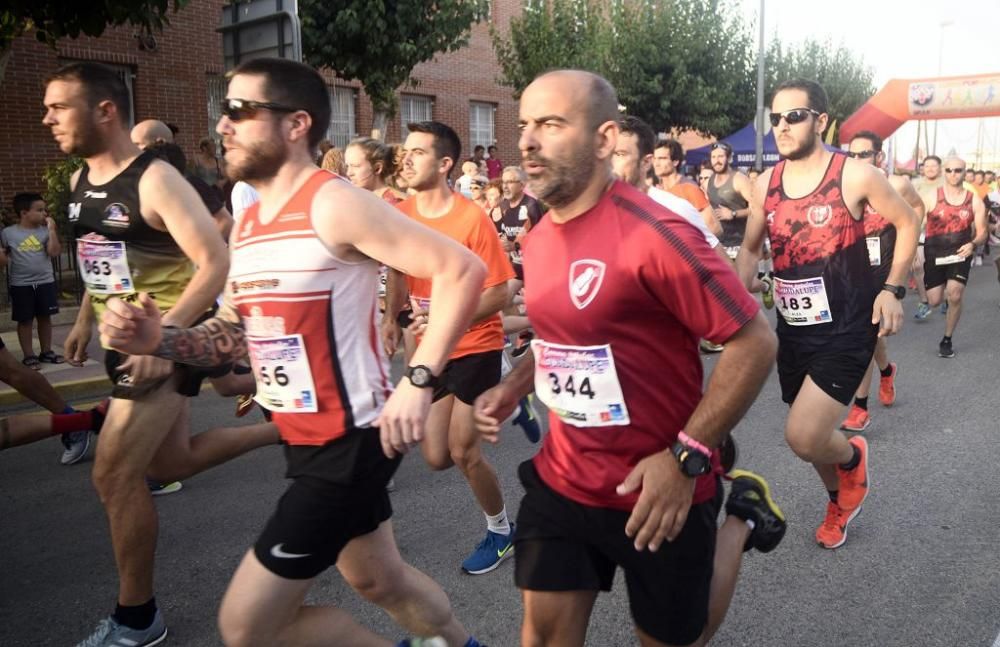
(54, 246)
(395, 294)
(711, 222)
(223, 222)
(979, 211)
(212, 343)
(753, 240)
(491, 301)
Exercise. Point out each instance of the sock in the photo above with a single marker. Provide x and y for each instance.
(498, 523)
(855, 459)
(67, 422)
(833, 495)
(862, 402)
(946, 338)
(137, 617)
(750, 524)
(887, 371)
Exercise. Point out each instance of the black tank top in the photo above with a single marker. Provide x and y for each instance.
(727, 196)
(112, 210)
(949, 226)
(820, 253)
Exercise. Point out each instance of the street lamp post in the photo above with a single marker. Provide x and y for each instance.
(759, 135)
(941, 25)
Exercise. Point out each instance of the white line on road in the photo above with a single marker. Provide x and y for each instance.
(996, 643)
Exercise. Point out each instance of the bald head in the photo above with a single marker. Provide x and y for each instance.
(954, 170)
(591, 92)
(149, 132)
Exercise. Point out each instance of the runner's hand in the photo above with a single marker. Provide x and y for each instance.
(966, 250)
(724, 213)
(76, 343)
(420, 318)
(401, 423)
(663, 503)
(491, 409)
(146, 368)
(391, 335)
(131, 329)
(888, 313)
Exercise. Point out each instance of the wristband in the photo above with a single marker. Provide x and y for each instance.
(693, 444)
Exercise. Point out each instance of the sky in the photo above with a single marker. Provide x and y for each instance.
(902, 39)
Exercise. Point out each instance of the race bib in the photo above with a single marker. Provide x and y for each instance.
(281, 369)
(874, 250)
(579, 384)
(803, 302)
(104, 266)
(949, 260)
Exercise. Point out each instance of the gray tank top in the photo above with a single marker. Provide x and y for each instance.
(726, 196)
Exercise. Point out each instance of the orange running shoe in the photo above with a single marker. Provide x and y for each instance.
(854, 484)
(857, 419)
(887, 387)
(832, 533)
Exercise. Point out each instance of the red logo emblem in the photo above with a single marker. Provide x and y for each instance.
(585, 279)
(819, 215)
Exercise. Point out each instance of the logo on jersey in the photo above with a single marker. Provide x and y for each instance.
(74, 211)
(585, 279)
(116, 215)
(95, 194)
(819, 215)
(964, 214)
(247, 228)
(770, 217)
(921, 94)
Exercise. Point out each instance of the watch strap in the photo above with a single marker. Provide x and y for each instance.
(691, 443)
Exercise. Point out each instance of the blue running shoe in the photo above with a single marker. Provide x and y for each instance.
(489, 553)
(527, 419)
(944, 308)
(923, 311)
(111, 634)
(423, 642)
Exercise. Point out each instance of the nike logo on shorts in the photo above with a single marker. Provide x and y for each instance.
(276, 551)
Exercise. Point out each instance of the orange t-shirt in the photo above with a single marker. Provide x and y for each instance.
(470, 226)
(982, 190)
(690, 192)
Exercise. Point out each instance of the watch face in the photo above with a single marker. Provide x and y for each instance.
(696, 464)
(419, 376)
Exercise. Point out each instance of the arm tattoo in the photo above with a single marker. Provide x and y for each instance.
(213, 343)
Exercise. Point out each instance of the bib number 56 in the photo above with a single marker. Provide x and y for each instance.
(583, 389)
(277, 376)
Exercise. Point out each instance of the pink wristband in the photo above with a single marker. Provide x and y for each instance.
(693, 444)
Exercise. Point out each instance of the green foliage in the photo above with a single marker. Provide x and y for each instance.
(57, 190)
(379, 42)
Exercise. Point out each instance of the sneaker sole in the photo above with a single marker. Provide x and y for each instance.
(157, 641)
(756, 478)
(857, 430)
(843, 539)
(493, 566)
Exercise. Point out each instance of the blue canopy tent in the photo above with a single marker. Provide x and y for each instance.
(743, 143)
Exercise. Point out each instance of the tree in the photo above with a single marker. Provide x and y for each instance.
(379, 42)
(683, 64)
(55, 19)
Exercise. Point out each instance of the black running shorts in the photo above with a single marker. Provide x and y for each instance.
(470, 376)
(837, 368)
(31, 301)
(317, 517)
(936, 275)
(562, 545)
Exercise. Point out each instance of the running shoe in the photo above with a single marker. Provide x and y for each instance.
(522, 344)
(76, 443)
(978, 262)
(854, 484)
(767, 294)
(945, 349)
(490, 552)
(391, 485)
(832, 533)
(944, 308)
(159, 489)
(923, 311)
(729, 453)
(887, 387)
(435, 641)
(244, 404)
(111, 634)
(750, 500)
(857, 419)
(709, 347)
(527, 419)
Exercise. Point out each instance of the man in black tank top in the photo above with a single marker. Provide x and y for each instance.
(830, 308)
(139, 227)
(729, 194)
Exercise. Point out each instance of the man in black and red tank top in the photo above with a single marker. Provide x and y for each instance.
(880, 237)
(831, 307)
(956, 224)
(312, 240)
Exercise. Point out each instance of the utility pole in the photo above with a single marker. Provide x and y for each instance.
(759, 135)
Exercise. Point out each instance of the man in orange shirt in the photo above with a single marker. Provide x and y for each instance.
(667, 158)
(432, 149)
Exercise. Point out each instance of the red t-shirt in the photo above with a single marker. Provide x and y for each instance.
(631, 274)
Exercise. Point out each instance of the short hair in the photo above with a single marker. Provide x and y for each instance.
(377, 152)
(726, 146)
(932, 158)
(446, 141)
(174, 129)
(479, 147)
(295, 85)
(603, 104)
(875, 140)
(978, 172)
(23, 201)
(706, 165)
(521, 175)
(333, 160)
(645, 138)
(170, 153)
(673, 147)
(100, 83)
(815, 94)
(493, 184)
(491, 147)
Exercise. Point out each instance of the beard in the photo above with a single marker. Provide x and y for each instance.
(261, 161)
(563, 179)
(86, 143)
(805, 149)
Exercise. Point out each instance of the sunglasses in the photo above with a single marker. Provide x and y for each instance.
(240, 109)
(792, 117)
(954, 170)
(861, 154)
(724, 147)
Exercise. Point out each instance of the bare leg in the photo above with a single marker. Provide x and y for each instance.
(556, 619)
(729, 544)
(954, 293)
(918, 273)
(29, 383)
(24, 329)
(811, 432)
(44, 333)
(466, 452)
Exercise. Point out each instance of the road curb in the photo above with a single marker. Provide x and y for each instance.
(68, 390)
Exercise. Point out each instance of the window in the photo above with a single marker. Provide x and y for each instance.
(342, 120)
(481, 124)
(216, 93)
(415, 108)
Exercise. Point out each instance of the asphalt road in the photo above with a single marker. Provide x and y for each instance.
(921, 566)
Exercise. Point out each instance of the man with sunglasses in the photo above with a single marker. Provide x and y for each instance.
(880, 237)
(301, 299)
(831, 307)
(956, 224)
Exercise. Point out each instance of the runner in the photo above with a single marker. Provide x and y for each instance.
(616, 287)
(310, 240)
(667, 159)
(140, 227)
(953, 213)
(880, 237)
(474, 364)
(927, 184)
(520, 212)
(832, 310)
(729, 194)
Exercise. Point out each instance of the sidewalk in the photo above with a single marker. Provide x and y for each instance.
(69, 381)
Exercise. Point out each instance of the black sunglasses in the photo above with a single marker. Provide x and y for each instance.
(861, 154)
(723, 146)
(240, 109)
(954, 170)
(795, 116)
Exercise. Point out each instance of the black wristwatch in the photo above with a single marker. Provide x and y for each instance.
(421, 377)
(898, 291)
(693, 462)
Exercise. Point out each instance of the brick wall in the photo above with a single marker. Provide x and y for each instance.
(170, 84)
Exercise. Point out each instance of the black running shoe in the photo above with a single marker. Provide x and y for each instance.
(945, 349)
(750, 499)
